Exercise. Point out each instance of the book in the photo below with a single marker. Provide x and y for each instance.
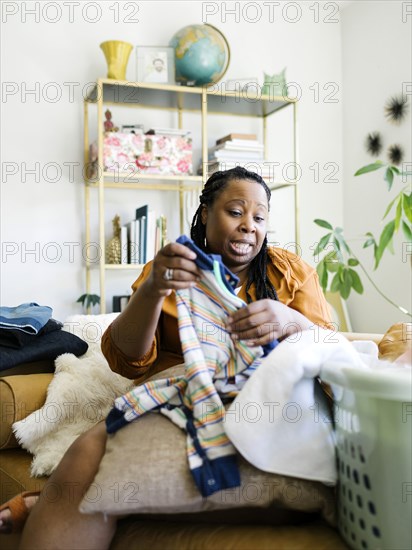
(133, 242)
(236, 155)
(264, 170)
(233, 136)
(160, 233)
(123, 245)
(230, 146)
(141, 216)
(150, 235)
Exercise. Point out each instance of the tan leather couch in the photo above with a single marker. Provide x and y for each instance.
(23, 390)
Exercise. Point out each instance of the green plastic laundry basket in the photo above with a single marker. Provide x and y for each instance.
(373, 428)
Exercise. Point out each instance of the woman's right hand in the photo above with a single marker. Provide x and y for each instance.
(173, 268)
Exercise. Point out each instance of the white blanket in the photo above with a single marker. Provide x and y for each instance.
(80, 394)
(280, 421)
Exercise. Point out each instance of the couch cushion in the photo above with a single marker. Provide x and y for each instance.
(150, 533)
(20, 395)
(145, 470)
(15, 474)
(396, 341)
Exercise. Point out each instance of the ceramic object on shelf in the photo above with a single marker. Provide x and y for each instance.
(117, 55)
(275, 85)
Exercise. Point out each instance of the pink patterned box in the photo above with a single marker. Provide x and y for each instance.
(153, 154)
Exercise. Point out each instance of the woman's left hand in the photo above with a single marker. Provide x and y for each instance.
(261, 322)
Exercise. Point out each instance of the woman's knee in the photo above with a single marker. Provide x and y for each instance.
(93, 441)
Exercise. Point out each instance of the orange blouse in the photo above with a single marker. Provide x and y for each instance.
(296, 284)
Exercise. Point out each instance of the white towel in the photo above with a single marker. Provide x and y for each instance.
(280, 421)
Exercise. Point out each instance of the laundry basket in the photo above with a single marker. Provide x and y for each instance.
(373, 428)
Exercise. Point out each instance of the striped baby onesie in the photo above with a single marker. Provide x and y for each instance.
(216, 368)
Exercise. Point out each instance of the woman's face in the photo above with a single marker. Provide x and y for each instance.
(236, 223)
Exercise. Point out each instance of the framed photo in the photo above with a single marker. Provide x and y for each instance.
(156, 64)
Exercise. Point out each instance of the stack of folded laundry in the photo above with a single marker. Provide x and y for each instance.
(29, 333)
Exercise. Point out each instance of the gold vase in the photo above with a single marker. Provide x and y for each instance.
(117, 55)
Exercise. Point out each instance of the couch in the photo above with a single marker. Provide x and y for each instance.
(23, 390)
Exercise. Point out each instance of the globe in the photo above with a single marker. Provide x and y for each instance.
(202, 54)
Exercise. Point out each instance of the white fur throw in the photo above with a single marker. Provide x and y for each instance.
(80, 395)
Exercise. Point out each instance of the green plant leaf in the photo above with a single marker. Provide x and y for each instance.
(370, 168)
(81, 299)
(407, 205)
(331, 261)
(385, 237)
(337, 250)
(342, 242)
(323, 223)
(320, 269)
(94, 299)
(88, 299)
(389, 207)
(407, 231)
(390, 246)
(353, 262)
(336, 283)
(322, 243)
(389, 177)
(346, 285)
(396, 170)
(369, 242)
(398, 215)
(356, 282)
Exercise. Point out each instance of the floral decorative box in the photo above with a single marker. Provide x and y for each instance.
(151, 154)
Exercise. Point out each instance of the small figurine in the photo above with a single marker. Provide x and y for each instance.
(113, 250)
(92, 165)
(108, 124)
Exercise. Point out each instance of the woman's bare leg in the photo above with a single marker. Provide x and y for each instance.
(54, 522)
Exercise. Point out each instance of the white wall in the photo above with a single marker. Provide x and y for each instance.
(376, 42)
(38, 130)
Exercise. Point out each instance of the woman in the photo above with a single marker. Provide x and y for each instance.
(283, 296)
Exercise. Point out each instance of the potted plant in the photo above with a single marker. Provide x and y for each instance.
(88, 301)
(341, 263)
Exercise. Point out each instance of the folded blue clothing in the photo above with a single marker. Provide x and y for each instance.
(15, 338)
(28, 317)
(45, 346)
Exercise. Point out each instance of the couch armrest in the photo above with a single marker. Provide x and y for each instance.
(351, 336)
(20, 395)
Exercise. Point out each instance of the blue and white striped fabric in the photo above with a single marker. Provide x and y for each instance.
(216, 369)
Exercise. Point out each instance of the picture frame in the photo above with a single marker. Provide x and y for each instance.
(155, 64)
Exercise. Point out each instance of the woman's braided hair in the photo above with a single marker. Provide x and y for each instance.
(214, 186)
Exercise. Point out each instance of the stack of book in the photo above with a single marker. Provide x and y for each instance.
(143, 237)
(236, 150)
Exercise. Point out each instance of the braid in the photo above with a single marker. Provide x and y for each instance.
(257, 272)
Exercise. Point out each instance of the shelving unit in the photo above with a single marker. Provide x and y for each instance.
(180, 99)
